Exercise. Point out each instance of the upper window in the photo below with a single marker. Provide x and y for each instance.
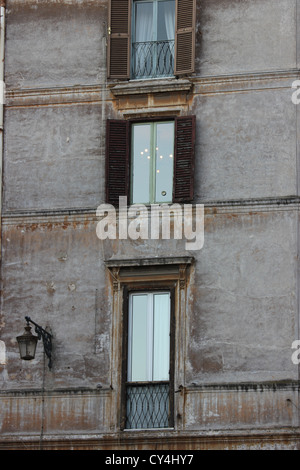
(151, 38)
(150, 161)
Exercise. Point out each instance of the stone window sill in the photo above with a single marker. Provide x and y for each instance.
(140, 87)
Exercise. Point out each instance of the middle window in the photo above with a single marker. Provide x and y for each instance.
(152, 162)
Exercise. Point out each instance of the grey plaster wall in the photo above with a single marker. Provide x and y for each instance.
(53, 272)
(242, 37)
(242, 295)
(55, 44)
(246, 145)
(54, 158)
(243, 317)
(242, 298)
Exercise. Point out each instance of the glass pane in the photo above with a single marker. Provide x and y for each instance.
(161, 337)
(166, 21)
(141, 165)
(142, 44)
(143, 21)
(164, 162)
(139, 341)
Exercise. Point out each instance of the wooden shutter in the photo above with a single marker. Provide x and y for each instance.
(183, 184)
(117, 160)
(185, 36)
(119, 39)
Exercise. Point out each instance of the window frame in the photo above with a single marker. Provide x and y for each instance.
(120, 38)
(154, 37)
(118, 157)
(153, 165)
(148, 273)
(150, 334)
(143, 288)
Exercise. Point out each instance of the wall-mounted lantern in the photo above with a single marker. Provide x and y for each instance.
(27, 342)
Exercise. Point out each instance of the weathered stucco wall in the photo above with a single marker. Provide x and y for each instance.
(241, 317)
(55, 44)
(246, 37)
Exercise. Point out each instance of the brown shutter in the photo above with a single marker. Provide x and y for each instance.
(183, 185)
(185, 36)
(119, 39)
(117, 160)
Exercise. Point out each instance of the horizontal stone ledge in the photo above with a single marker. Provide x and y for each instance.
(113, 263)
(139, 87)
(30, 393)
(55, 95)
(214, 207)
(157, 440)
(281, 385)
(96, 93)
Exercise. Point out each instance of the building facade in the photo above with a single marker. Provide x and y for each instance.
(114, 109)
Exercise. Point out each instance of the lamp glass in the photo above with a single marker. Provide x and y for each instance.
(27, 344)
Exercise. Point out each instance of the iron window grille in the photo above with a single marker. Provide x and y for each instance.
(153, 59)
(147, 405)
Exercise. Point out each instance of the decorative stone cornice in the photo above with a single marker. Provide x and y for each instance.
(52, 96)
(138, 87)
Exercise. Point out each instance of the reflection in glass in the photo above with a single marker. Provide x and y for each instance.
(149, 337)
(164, 164)
(161, 338)
(139, 340)
(152, 162)
(141, 163)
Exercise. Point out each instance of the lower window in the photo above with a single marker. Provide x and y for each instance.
(148, 376)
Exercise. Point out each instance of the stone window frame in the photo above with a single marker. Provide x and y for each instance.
(151, 273)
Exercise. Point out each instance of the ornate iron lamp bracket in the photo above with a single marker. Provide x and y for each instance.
(46, 337)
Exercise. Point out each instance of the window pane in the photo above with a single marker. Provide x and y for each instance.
(153, 39)
(138, 369)
(143, 21)
(164, 162)
(166, 21)
(161, 337)
(141, 163)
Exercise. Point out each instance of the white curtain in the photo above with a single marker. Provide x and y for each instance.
(143, 33)
(166, 32)
(149, 337)
(161, 337)
(143, 22)
(169, 8)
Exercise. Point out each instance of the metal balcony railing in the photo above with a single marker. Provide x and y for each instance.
(148, 405)
(153, 59)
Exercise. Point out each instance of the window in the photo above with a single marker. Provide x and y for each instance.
(151, 38)
(148, 389)
(149, 310)
(150, 161)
